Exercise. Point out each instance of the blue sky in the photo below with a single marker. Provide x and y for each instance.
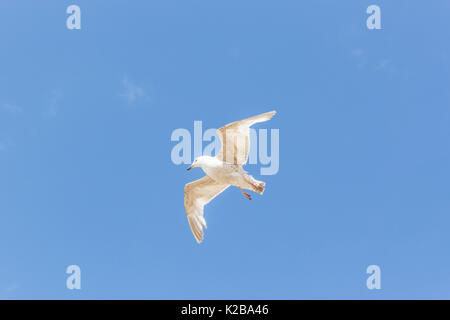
(86, 176)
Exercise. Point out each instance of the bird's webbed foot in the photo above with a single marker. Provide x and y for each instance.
(245, 194)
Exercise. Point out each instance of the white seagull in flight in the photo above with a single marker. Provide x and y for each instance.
(222, 171)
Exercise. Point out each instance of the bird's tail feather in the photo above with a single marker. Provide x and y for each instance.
(253, 184)
(260, 186)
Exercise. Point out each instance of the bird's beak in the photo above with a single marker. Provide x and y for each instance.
(190, 167)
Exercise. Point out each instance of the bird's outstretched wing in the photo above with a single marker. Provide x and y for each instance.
(196, 195)
(235, 138)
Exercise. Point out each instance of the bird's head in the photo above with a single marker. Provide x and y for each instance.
(199, 161)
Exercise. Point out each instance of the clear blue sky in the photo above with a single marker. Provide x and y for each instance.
(85, 171)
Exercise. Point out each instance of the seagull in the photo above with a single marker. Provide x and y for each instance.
(222, 171)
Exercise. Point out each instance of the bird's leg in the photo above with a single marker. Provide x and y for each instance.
(245, 194)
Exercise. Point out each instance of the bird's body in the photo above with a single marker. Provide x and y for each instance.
(222, 171)
(228, 173)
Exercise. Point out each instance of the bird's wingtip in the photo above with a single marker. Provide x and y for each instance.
(270, 114)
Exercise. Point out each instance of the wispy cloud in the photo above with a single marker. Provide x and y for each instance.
(359, 57)
(12, 108)
(364, 60)
(383, 64)
(131, 92)
(52, 103)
